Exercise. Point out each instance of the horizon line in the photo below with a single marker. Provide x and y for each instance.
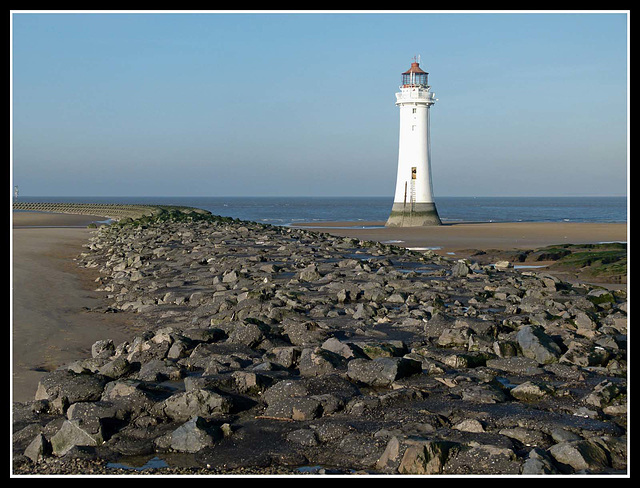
(314, 196)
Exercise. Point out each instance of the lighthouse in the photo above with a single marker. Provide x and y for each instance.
(413, 204)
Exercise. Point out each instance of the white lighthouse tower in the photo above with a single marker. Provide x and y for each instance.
(413, 203)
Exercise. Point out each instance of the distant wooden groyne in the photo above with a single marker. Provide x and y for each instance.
(115, 211)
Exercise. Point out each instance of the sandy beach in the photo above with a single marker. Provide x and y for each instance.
(455, 238)
(50, 322)
(48, 219)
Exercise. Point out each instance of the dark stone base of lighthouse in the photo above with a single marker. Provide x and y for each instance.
(416, 215)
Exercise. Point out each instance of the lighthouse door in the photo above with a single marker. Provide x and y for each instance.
(412, 197)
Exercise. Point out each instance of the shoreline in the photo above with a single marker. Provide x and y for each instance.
(457, 237)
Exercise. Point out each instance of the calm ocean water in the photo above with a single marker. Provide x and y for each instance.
(291, 210)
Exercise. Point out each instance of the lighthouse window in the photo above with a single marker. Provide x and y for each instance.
(414, 110)
(413, 172)
(413, 127)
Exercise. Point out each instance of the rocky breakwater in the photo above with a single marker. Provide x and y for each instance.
(267, 347)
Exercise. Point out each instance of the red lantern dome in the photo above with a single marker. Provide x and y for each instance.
(414, 76)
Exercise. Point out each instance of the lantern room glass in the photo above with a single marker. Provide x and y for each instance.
(414, 78)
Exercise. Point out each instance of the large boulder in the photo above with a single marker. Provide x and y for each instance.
(296, 408)
(581, 455)
(199, 402)
(416, 456)
(194, 435)
(536, 344)
(318, 361)
(132, 398)
(310, 273)
(71, 386)
(76, 433)
(382, 371)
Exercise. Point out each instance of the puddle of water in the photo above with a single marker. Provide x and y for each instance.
(314, 227)
(322, 470)
(153, 463)
(309, 469)
(505, 382)
(416, 270)
(362, 256)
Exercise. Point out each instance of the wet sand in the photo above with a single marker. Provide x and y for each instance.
(51, 324)
(47, 219)
(454, 238)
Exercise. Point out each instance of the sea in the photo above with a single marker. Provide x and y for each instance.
(287, 211)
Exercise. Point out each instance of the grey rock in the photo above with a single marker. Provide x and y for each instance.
(248, 334)
(158, 370)
(437, 324)
(416, 456)
(461, 269)
(303, 437)
(251, 382)
(535, 344)
(76, 433)
(130, 396)
(210, 334)
(345, 349)
(469, 425)
(604, 394)
(312, 397)
(486, 393)
(528, 437)
(116, 368)
(382, 371)
(92, 412)
(427, 457)
(296, 408)
(287, 357)
(310, 273)
(193, 436)
(103, 349)
(193, 403)
(72, 386)
(584, 353)
(580, 456)
(516, 365)
(38, 448)
(484, 459)
(458, 337)
(319, 361)
(532, 391)
(539, 462)
(304, 333)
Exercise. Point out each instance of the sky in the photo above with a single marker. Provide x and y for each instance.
(303, 103)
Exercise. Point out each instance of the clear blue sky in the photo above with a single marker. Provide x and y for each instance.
(218, 104)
